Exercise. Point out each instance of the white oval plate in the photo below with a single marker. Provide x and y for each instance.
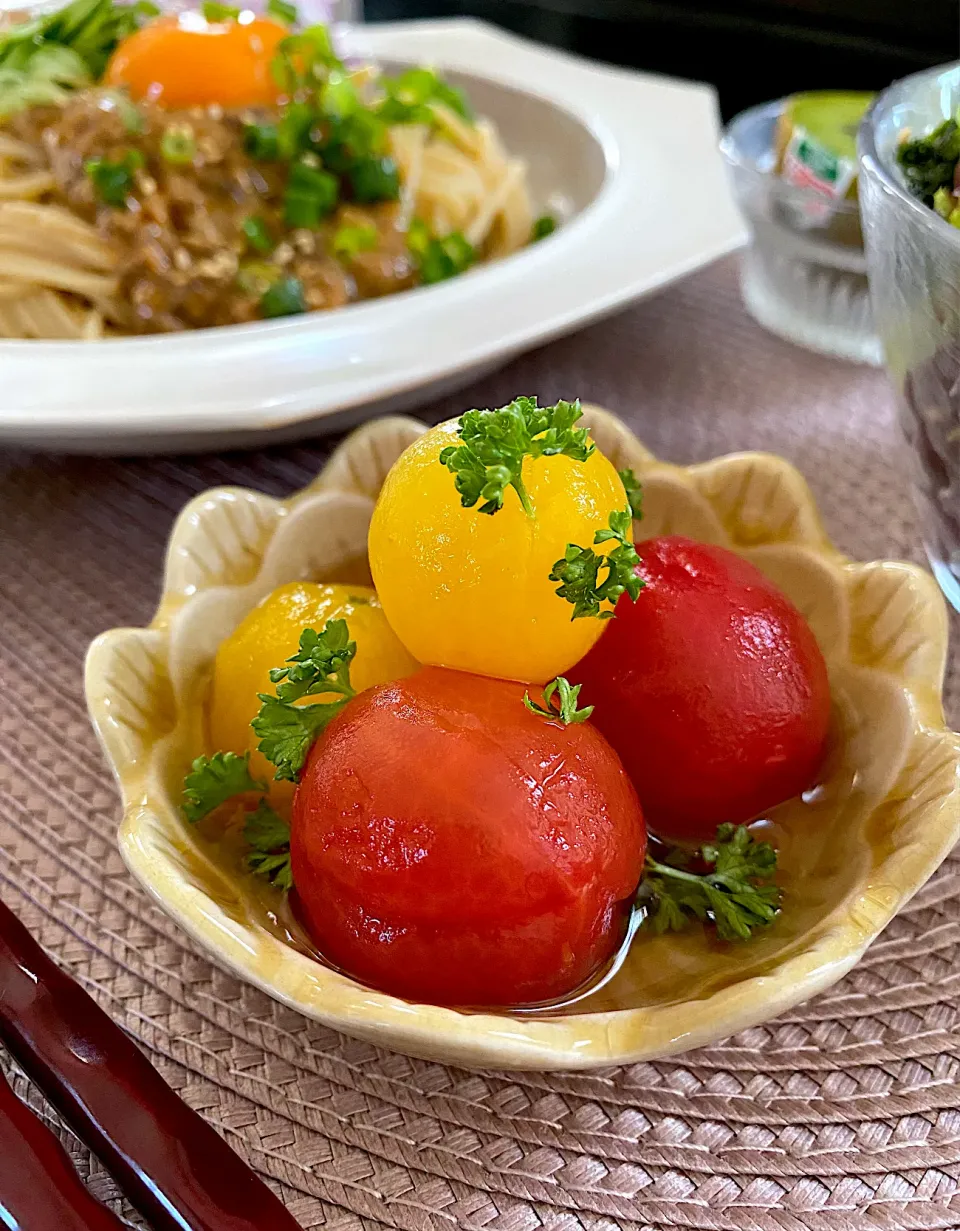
(610, 149)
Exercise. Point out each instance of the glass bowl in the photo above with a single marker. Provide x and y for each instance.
(914, 262)
(804, 274)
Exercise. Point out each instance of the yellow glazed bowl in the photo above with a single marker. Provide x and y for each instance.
(852, 852)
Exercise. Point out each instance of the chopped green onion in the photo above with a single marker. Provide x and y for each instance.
(418, 237)
(409, 94)
(374, 179)
(283, 140)
(177, 145)
(303, 59)
(215, 12)
(130, 115)
(439, 259)
(349, 241)
(339, 97)
(452, 256)
(261, 142)
(284, 298)
(45, 79)
(68, 46)
(353, 138)
(316, 40)
(293, 131)
(256, 277)
(311, 194)
(545, 225)
(114, 180)
(256, 234)
(302, 209)
(392, 111)
(283, 12)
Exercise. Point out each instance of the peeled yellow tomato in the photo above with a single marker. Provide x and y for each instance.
(472, 590)
(270, 634)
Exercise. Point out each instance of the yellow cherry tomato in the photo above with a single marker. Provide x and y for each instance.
(269, 635)
(472, 590)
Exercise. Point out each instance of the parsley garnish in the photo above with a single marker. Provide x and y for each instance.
(321, 665)
(631, 485)
(738, 893)
(565, 709)
(268, 836)
(579, 570)
(495, 442)
(214, 780)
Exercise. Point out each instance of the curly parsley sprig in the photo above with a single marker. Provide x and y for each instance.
(737, 892)
(225, 776)
(579, 570)
(631, 485)
(268, 836)
(321, 665)
(214, 780)
(495, 443)
(559, 701)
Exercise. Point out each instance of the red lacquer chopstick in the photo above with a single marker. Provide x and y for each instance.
(39, 1189)
(170, 1163)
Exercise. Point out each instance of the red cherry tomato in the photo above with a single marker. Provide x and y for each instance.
(450, 846)
(711, 687)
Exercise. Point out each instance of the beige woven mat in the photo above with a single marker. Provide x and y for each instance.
(844, 1114)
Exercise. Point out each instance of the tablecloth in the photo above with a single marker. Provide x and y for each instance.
(844, 1114)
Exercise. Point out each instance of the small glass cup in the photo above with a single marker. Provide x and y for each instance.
(804, 274)
(914, 261)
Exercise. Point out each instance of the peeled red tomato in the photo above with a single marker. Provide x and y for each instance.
(450, 846)
(711, 687)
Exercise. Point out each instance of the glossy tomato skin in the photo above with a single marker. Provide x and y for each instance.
(711, 687)
(449, 846)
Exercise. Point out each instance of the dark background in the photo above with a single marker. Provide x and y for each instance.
(752, 50)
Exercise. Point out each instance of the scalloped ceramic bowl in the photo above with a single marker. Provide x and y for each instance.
(852, 851)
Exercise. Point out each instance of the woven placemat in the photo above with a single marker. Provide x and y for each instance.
(843, 1114)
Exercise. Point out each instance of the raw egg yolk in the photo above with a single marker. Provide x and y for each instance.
(186, 61)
